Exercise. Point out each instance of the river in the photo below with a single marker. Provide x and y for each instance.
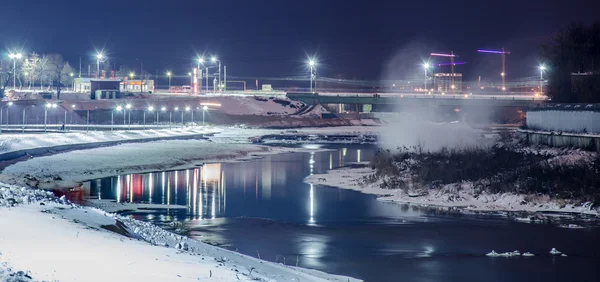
(263, 208)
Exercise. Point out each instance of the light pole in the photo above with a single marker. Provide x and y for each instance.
(542, 69)
(425, 68)
(311, 64)
(73, 83)
(14, 57)
(72, 112)
(7, 106)
(48, 106)
(201, 62)
(214, 60)
(171, 116)
(169, 76)
(204, 109)
(187, 109)
(112, 117)
(128, 107)
(23, 128)
(163, 109)
(150, 109)
(99, 59)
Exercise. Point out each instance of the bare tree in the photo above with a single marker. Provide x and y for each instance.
(56, 64)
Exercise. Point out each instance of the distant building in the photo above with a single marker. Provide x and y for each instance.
(82, 85)
(101, 88)
(446, 83)
(137, 85)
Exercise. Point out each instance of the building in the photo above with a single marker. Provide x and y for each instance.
(101, 88)
(446, 83)
(82, 85)
(136, 85)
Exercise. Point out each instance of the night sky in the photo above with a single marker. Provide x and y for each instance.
(351, 38)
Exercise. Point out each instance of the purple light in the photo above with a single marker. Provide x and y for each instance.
(442, 55)
(492, 51)
(449, 64)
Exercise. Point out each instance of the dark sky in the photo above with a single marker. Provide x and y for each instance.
(351, 38)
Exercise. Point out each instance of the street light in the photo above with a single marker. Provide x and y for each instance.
(7, 106)
(201, 62)
(99, 58)
(425, 68)
(112, 118)
(72, 112)
(23, 128)
(312, 65)
(542, 69)
(48, 106)
(204, 109)
(14, 57)
(150, 109)
(128, 107)
(169, 76)
(171, 116)
(214, 60)
(163, 109)
(131, 75)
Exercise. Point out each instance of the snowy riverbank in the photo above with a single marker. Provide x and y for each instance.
(460, 196)
(55, 240)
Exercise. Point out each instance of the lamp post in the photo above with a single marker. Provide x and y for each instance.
(163, 109)
(48, 106)
(72, 112)
(150, 109)
(23, 128)
(14, 57)
(169, 76)
(112, 117)
(99, 59)
(128, 107)
(311, 64)
(7, 106)
(171, 116)
(204, 109)
(425, 68)
(214, 60)
(542, 69)
(187, 109)
(201, 62)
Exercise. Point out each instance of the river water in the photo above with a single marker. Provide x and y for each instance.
(263, 208)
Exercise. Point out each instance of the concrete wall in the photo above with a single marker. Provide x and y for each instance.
(564, 120)
(585, 142)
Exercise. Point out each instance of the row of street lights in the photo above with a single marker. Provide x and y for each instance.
(151, 109)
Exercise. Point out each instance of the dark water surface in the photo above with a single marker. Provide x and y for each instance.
(263, 207)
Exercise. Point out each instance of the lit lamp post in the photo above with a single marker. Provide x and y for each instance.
(131, 75)
(7, 106)
(169, 76)
(14, 57)
(171, 116)
(150, 109)
(163, 109)
(24, 109)
(128, 107)
(201, 62)
(542, 69)
(99, 58)
(214, 60)
(204, 109)
(425, 68)
(112, 117)
(187, 109)
(312, 64)
(73, 83)
(48, 106)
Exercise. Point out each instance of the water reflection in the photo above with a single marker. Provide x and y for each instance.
(205, 191)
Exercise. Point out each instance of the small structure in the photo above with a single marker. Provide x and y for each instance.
(137, 85)
(82, 85)
(101, 88)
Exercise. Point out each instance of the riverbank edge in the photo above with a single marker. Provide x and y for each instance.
(351, 179)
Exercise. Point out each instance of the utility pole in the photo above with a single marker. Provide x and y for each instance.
(80, 66)
(225, 78)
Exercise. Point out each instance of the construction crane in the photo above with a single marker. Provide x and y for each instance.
(503, 53)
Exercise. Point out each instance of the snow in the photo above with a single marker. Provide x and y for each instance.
(459, 195)
(15, 142)
(68, 169)
(59, 241)
(554, 251)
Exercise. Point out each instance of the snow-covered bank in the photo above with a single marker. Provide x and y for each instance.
(15, 142)
(456, 196)
(68, 169)
(58, 241)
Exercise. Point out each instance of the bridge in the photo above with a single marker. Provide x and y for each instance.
(379, 101)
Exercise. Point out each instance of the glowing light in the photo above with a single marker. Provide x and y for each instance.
(213, 59)
(150, 108)
(502, 74)
(311, 63)
(205, 108)
(128, 106)
(15, 55)
(187, 109)
(492, 51)
(466, 96)
(119, 108)
(503, 88)
(169, 73)
(10, 103)
(442, 55)
(176, 108)
(449, 64)
(210, 104)
(163, 109)
(542, 67)
(201, 60)
(131, 75)
(99, 56)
